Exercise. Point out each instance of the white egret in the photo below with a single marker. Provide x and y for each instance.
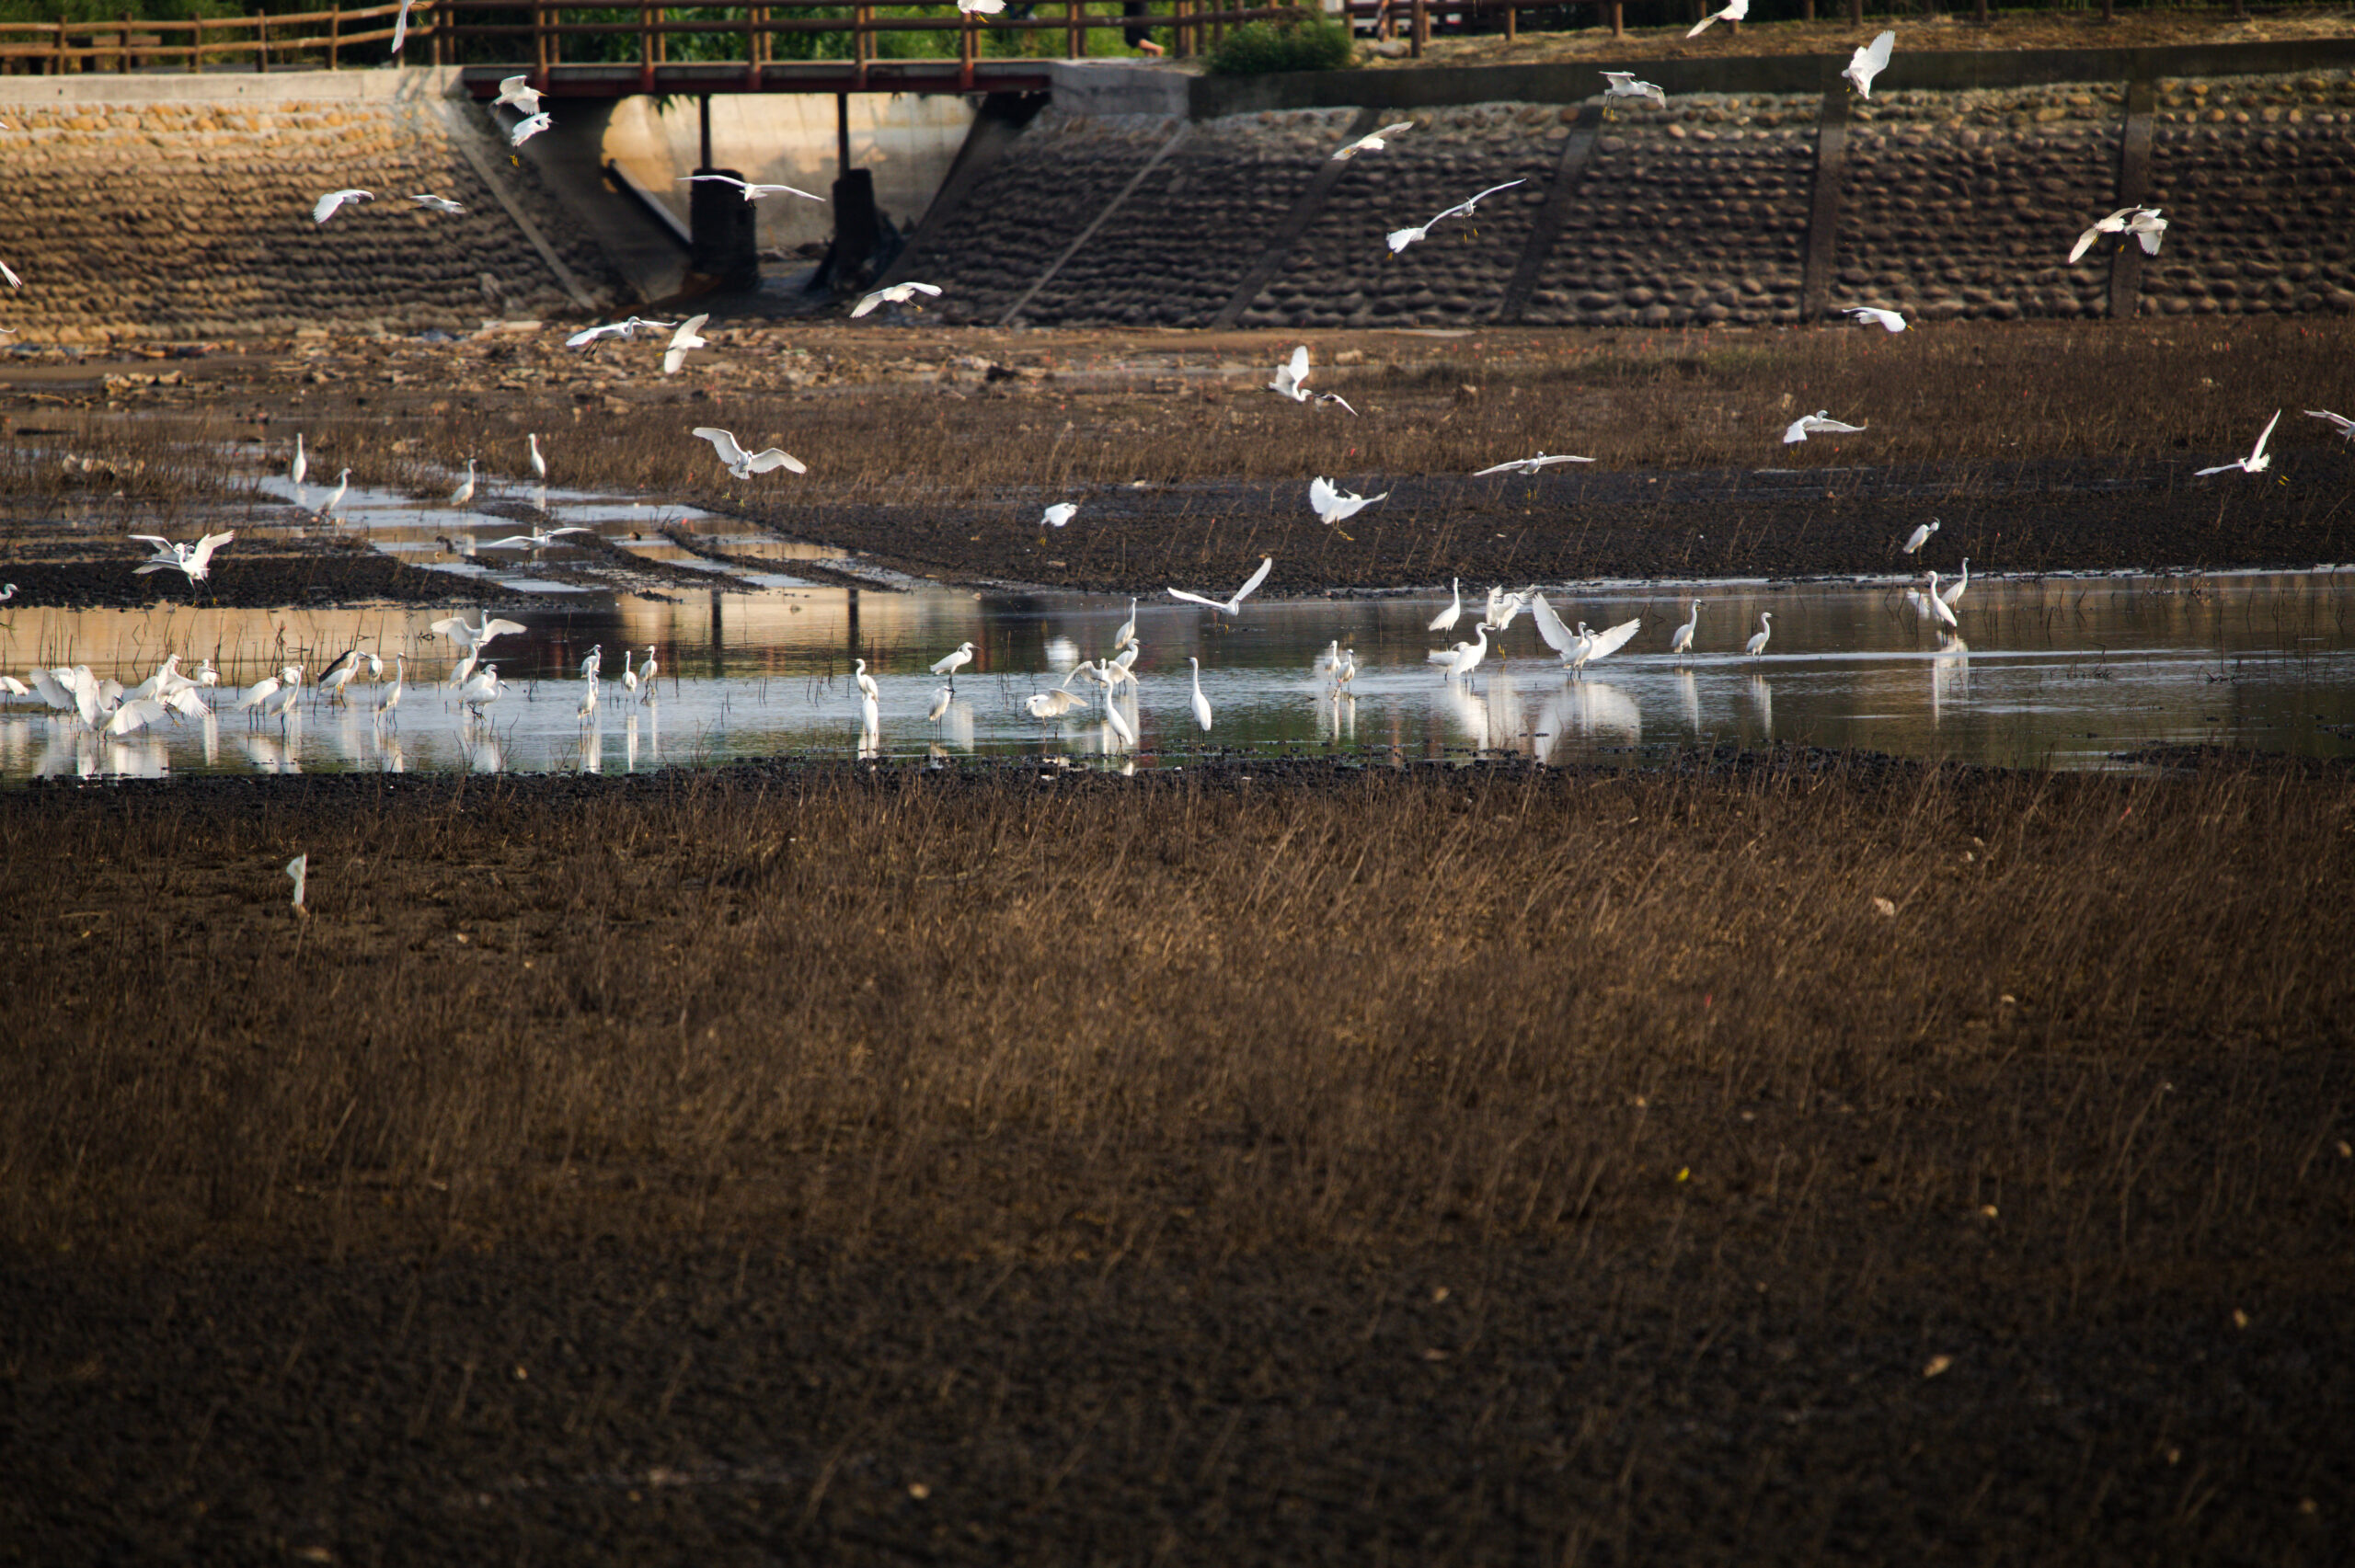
(865, 683)
(1292, 376)
(1928, 604)
(751, 192)
(2339, 422)
(465, 490)
(629, 675)
(302, 464)
(187, 704)
(517, 92)
(133, 715)
(870, 719)
(1120, 722)
(539, 463)
(1334, 505)
(1682, 641)
(391, 698)
(335, 499)
(1873, 315)
(530, 125)
(612, 329)
(1735, 11)
(7, 592)
(941, 697)
(1757, 645)
(954, 660)
(588, 699)
(195, 560)
(1231, 606)
(1059, 514)
(1602, 645)
(1469, 656)
(299, 868)
(1819, 423)
(1527, 465)
(646, 676)
(1624, 85)
(474, 639)
(1344, 672)
(326, 206)
(1445, 620)
(485, 689)
(1870, 61)
(14, 687)
(897, 294)
(980, 7)
(592, 662)
(536, 540)
(1372, 140)
(1053, 705)
(1558, 637)
(1920, 536)
(1470, 205)
(745, 464)
(206, 675)
(337, 676)
(431, 202)
(2257, 462)
(400, 26)
(15, 282)
(683, 342)
(2141, 223)
(1201, 704)
(1953, 590)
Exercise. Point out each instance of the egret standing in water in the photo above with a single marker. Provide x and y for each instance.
(1757, 645)
(302, 464)
(961, 655)
(1920, 536)
(465, 490)
(1201, 704)
(867, 687)
(1683, 642)
(1445, 620)
(646, 676)
(539, 463)
(392, 698)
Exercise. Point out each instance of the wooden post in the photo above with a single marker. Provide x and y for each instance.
(965, 49)
(1075, 39)
(1417, 26)
(261, 43)
(1512, 22)
(1807, 12)
(1618, 19)
(1855, 13)
(335, 38)
(196, 47)
(539, 39)
(645, 48)
(1979, 12)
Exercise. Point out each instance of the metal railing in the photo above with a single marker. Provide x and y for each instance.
(306, 40)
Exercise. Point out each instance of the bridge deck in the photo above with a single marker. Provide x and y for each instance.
(618, 81)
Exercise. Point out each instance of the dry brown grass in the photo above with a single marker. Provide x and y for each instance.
(993, 1014)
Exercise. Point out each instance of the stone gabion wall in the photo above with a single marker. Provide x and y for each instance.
(186, 220)
(2257, 174)
(1172, 253)
(1694, 214)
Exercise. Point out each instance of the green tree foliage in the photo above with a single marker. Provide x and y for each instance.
(1311, 43)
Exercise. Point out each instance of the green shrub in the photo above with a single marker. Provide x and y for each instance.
(1312, 44)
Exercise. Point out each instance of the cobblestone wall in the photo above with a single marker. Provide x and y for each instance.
(183, 219)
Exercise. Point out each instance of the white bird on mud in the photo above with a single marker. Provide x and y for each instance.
(1333, 505)
(1445, 620)
(301, 465)
(1873, 315)
(1372, 140)
(1527, 465)
(2257, 462)
(1201, 704)
(1919, 537)
(2339, 422)
(326, 206)
(1735, 11)
(1953, 590)
(530, 125)
(539, 463)
(1819, 423)
(1231, 606)
(466, 489)
(474, 639)
(612, 329)
(745, 464)
(1625, 85)
(427, 199)
(1927, 603)
(194, 560)
(751, 192)
(1682, 641)
(1058, 515)
(682, 341)
(897, 294)
(1757, 644)
(517, 92)
(2142, 222)
(954, 660)
(1870, 61)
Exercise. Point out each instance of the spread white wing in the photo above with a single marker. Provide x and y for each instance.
(1558, 637)
(1267, 565)
(1614, 639)
(722, 443)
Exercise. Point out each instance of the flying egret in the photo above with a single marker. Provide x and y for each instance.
(1292, 376)
(682, 341)
(2143, 224)
(1050, 705)
(14, 281)
(301, 465)
(1201, 704)
(195, 560)
(1819, 423)
(954, 660)
(980, 7)
(1333, 505)
(2339, 422)
(646, 676)
(897, 294)
(326, 206)
(1527, 465)
(465, 490)
(1059, 514)
(1953, 590)
(517, 92)
(335, 499)
(1682, 641)
(1920, 536)
(1469, 654)
(537, 540)
(136, 714)
(400, 26)
(745, 464)
(539, 463)
(1445, 620)
(1757, 645)
(1735, 11)
(1372, 140)
(1873, 315)
(866, 681)
(751, 192)
(612, 329)
(1870, 61)
(1624, 85)
(2257, 462)
(474, 639)
(1470, 205)
(427, 199)
(1231, 606)
(530, 125)
(1928, 604)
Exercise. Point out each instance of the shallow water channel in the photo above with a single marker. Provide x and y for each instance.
(2062, 672)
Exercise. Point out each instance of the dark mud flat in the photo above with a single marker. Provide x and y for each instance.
(287, 573)
(1782, 1158)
